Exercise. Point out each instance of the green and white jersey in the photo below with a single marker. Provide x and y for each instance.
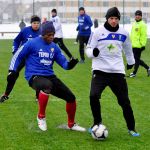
(111, 45)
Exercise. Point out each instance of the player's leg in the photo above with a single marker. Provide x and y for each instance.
(43, 85)
(86, 39)
(60, 90)
(137, 55)
(143, 64)
(63, 47)
(98, 84)
(81, 48)
(119, 87)
(11, 80)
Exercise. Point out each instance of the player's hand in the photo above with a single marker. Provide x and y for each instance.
(95, 52)
(3, 98)
(129, 66)
(72, 63)
(143, 48)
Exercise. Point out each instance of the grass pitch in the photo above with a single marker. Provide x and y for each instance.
(18, 125)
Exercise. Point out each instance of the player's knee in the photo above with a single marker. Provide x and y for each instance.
(124, 102)
(94, 97)
(12, 76)
(70, 98)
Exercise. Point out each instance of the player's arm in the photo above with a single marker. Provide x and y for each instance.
(88, 23)
(91, 49)
(17, 42)
(127, 48)
(143, 37)
(57, 24)
(63, 62)
(20, 55)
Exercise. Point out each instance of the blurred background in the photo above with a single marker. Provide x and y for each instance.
(14, 10)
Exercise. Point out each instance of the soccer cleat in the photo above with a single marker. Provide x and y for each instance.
(148, 72)
(3, 98)
(75, 127)
(81, 61)
(42, 123)
(133, 133)
(132, 75)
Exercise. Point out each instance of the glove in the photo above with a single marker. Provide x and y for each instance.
(95, 52)
(143, 48)
(129, 66)
(3, 98)
(72, 63)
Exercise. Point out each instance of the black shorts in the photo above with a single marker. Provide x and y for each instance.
(52, 85)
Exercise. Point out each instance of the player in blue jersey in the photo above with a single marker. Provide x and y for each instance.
(40, 55)
(84, 31)
(25, 35)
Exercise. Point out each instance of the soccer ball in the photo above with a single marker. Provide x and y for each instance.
(99, 132)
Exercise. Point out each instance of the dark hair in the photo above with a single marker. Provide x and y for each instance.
(35, 18)
(54, 11)
(81, 8)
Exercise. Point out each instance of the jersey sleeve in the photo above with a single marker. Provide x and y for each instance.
(127, 48)
(61, 59)
(143, 37)
(92, 43)
(19, 56)
(17, 42)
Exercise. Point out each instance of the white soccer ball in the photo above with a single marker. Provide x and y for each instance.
(99, 132)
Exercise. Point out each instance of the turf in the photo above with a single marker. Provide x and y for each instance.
(18, 126)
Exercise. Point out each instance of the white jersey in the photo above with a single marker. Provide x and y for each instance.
(58, 27)
(111, 45)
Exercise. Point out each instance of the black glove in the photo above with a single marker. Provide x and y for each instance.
(143, 48)
(95, 52)
(3, 98)
(72, 63)
(129, 66)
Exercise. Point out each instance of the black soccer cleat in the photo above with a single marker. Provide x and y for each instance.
(3, 98)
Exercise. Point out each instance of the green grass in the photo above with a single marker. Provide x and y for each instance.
(18, 126)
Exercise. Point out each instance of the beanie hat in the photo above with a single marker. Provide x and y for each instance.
(54, 11)
(113, 12)
(138, 13)
(47, 27)
(35, 18)
(81, 8)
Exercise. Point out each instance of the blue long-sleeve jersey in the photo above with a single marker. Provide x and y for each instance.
(24, 35)
(39, 58)
(84, 25)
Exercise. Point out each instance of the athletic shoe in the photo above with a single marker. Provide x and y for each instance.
(148, 72)
(3, 98)
(42, 123)
(75, 127)
(75, 43)
(132, 75)
(81, 61)
(133, 133)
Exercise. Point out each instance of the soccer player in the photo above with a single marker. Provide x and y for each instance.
(40, 55)
(105, 48)
(84, 31)
(139, 39)
(25, 35)
(58, 37)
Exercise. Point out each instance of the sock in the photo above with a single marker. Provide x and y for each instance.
(71, 110)
(42, 99)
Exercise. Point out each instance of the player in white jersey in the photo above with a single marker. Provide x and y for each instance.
(105, 47)
(58, 38)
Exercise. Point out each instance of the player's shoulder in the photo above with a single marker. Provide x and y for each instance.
(123, 31)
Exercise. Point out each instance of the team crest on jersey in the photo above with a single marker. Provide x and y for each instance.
(113, 36)
(112, 48)
(52, 49)
(137, 29)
